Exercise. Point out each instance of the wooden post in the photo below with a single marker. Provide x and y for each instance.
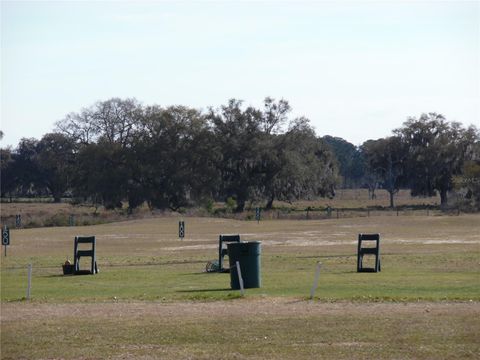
(240, 279)
(315, 281)
(29, 283)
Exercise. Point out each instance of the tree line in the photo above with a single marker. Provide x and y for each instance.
(174, 157)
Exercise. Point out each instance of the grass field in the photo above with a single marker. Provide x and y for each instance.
(153, 299)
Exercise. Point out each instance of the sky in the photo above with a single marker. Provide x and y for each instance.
(356, 69)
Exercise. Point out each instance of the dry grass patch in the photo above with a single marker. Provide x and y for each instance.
(259, 329)
(359, 198)
(57, 214)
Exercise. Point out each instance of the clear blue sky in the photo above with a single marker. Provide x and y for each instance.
(356, 69)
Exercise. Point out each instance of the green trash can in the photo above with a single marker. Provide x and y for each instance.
(248, 255)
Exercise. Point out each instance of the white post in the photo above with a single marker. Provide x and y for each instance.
(29, 286)
(240, 279)
(315, 282)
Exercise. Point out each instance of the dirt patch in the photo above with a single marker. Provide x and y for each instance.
(300, 241)
(202, 233)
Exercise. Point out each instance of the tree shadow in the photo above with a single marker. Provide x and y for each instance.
(81, 273)
(203, 273)
(202, 290)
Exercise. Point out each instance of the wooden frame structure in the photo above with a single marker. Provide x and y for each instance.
(375, 250)
(77, 254)
(222, 251)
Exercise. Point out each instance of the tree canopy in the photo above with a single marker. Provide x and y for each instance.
(119, 150)
(437, 151)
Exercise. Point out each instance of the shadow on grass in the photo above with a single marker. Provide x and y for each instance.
(164, 263)
(202, 290)
(81, 273)
(56, 276)
(15, 300)
(202, 273)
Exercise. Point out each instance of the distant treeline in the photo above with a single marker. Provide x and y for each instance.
(119, 150)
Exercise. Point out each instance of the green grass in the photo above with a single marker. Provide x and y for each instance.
(152, 298)
(452, 276)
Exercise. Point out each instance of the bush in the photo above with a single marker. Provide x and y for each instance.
(208, 205)
(231, 204)
(56, 220)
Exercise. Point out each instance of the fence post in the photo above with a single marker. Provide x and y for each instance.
(240, 279)
(315, 281)
(29, 282)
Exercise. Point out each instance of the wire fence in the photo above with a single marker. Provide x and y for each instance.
(341, 213)
(28, 220)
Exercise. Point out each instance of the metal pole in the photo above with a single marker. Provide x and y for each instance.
(315, 282)
(240, 279)
(29, 286)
